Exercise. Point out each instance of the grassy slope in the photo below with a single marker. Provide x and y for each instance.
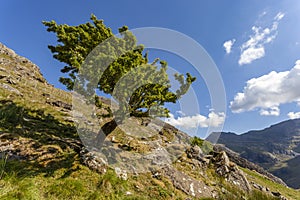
(261, 180)
(53, 169)
(79, 182)
(57, 173)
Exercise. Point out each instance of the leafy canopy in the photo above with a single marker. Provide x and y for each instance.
(96, 58)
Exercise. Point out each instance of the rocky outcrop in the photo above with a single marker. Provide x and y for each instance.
(22, 67)
(273, 148)
(224, 167)
(221, 161)
(234, 157)
(185, 183)
(60, 104)
(267, 190)
(195, 152)
(94, 160)
(41, 129)
(10, 89)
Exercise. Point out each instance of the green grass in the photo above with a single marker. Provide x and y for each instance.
(22, 181)
(88, 185)
(211, 178)
(57, 173)
(40, 186)
(196, 141)
(25, 180)
(3, 164)
(263, 181)
(63, 177)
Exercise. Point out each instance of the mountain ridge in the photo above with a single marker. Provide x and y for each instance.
(272, 148)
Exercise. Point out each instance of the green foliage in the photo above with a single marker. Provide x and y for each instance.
(96, 58)
(98, 103)
(206, 146)
(196, 141)
(78, 42)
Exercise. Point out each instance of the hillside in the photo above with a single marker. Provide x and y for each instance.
(42, 156)
(275, 148)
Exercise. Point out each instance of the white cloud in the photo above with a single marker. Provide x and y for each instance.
(268, 92)
(273, 111)
(253, 48)
(279, 16)
(228, 45)
(250, 54)
(189, 122)
(293, 115)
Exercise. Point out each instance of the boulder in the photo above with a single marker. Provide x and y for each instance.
(195, 152)
(229, 170)
(187, 184)
(94, 161)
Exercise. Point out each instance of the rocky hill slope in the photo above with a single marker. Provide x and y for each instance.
(277, 149)
(42, 156)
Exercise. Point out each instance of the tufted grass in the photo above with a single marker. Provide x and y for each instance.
(263, 181)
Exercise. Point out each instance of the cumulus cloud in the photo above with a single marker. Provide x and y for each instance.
(228, 45)
(253, 48)
(268, 92)
(293, 115)
(188, 122)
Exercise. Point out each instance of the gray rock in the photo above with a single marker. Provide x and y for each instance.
(60, 104)
(10, 88)
(122, 174)
(94, 161)
(230, 171)
(276, 194)
(187, 184)
(257, 186)
(234, 157)
(195, 152)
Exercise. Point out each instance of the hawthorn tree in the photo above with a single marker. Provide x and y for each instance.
(96, 58)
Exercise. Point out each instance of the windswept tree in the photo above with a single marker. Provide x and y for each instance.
(115, 65)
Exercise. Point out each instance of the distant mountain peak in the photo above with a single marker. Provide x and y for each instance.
(271, 148)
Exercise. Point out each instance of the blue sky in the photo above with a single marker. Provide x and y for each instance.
(258, 68)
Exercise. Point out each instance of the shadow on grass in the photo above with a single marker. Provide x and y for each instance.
(27, 123)
(44, 130)
(24, 168)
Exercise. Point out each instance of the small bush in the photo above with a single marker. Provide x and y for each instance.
(196, 141)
